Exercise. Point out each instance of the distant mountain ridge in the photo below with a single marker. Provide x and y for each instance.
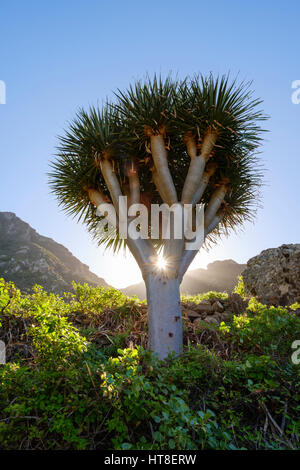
(27, 258)
(220, 276)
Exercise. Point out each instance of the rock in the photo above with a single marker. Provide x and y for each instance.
(191, 314)
(236, 304)
(204, 307)
(218, 317)
(217, 306)
(273, 276)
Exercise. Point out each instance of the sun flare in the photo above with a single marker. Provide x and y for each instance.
(161, 263)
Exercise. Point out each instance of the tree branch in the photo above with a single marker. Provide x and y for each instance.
(143, 252)
(158, 185)
(173, 246)
(112, 182)
(215, 202)
(141, 249)
(134, 185)
(208, 172)
(197, 164)
(97, 197)
(160, 158)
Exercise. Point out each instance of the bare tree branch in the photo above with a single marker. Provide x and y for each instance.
(215, 202)
(158, 185)
(173, 247)
(143, 252)
(160, 158)
(134, 185)
(197, 164)
(111, 181)
(141, 249)
(208, 172)
(97, 197)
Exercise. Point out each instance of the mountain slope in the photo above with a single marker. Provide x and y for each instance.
(219, 276)
(27, 258)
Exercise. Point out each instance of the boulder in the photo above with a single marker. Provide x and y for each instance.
(212, 319)
(191, 314)
(236, 304)
(204, 307)
(273, 276)
(217, 306)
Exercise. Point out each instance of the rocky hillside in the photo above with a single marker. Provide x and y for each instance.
(27, 258)
(221, 276)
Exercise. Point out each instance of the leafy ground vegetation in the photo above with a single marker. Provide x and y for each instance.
(78, 376)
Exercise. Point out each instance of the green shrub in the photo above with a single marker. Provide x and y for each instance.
(264, 330)
(240, 287)
(94, 300)
(239, 390)
(211, 295)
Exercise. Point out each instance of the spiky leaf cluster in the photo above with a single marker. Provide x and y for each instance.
(120, 132)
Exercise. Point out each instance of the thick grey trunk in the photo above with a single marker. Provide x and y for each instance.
(164, 315)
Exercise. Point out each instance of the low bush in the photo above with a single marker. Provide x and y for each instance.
(64, 388)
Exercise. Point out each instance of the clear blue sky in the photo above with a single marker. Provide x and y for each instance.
(59, 55)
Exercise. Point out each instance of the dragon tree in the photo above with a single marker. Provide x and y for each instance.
(163, 142)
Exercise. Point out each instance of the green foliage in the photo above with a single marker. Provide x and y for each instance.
(239, 392)
(55, 339)
(139, 392)
(240, 288)
(9, 296)
(89, 299)
(265, 329)
(211, 295)
(295, 306)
